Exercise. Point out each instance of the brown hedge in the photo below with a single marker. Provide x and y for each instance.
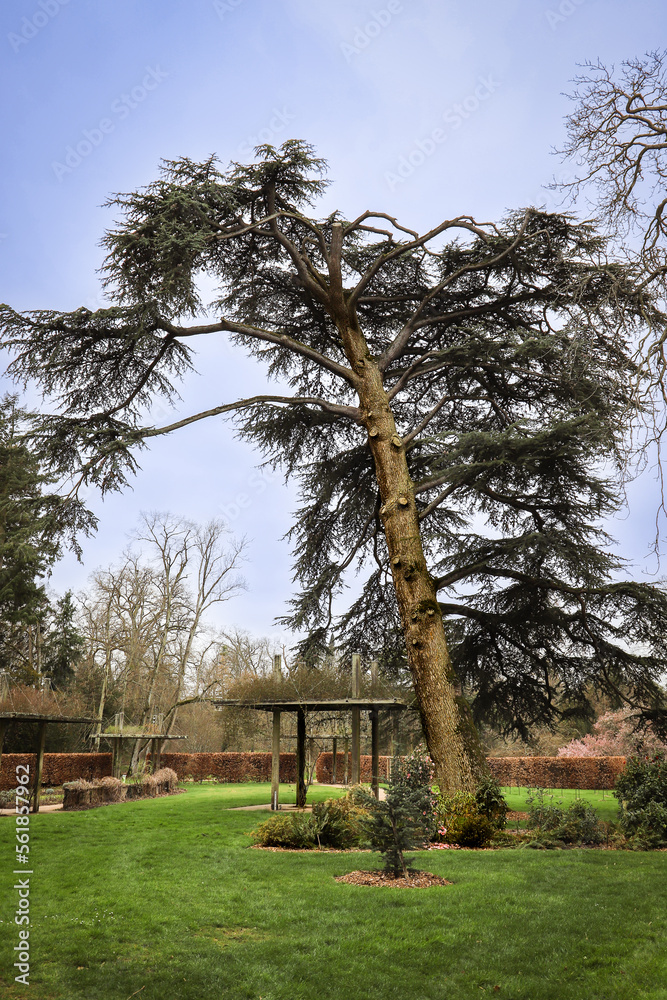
(229, 767)
(324, 768)
(536, 772)
(557, 772)
(58, 767)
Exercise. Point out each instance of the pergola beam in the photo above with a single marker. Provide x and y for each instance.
(7, 717)
(355, 704)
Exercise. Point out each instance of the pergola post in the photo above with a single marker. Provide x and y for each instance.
(275, 761)
(3, 728)
(155, 756)
(375, 754)
(334, 751)
(40, 764)
(300, 758)
(356, 720)
(394, 734)
(275, 741)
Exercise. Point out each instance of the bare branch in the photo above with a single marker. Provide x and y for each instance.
(345, 411)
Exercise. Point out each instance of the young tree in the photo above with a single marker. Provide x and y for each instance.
(34, 519)
(63, 642)
(456, 422)
(615, 734)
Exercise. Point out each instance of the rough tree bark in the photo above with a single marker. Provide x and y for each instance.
(451, 737)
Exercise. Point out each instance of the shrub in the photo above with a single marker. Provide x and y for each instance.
(293, 830)
(414, 770)
(415, 773)
(544, 816)
(338, 822)
(166, 777)
(78, 784)
(461, 821)
(580, 825)
(577, 825)
(113, 788)
(148, 786)
(641, 790)
(491, 802)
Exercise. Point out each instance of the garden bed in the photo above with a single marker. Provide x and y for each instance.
(377, 879)
(83, 794)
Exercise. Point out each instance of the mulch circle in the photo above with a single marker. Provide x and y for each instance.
(415, 880)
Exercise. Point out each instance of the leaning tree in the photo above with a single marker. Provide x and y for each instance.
(453, 404)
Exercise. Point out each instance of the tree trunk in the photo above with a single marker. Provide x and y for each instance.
(450, 734)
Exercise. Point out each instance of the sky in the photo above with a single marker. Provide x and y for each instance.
(422, 109)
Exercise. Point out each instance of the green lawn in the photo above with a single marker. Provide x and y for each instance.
(164, 900)
(604, 803)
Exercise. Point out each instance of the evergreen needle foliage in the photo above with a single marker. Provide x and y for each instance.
(34, 522)
(399, 823)
(456, 410)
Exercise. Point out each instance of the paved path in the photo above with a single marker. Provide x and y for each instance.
(43, 809)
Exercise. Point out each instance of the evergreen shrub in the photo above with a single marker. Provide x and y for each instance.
(641, 790)
(401, 822)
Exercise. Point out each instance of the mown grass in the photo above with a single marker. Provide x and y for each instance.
(163, 899)
(604, 803)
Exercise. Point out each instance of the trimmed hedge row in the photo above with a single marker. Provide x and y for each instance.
(229, 767)
(536, 772)
(58, 767)
(324, 768)
(557, 772)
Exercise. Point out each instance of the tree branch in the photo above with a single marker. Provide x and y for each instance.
(345, 411)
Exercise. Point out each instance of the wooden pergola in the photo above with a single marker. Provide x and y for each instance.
(43, 721)
(354, 705)
(116, 740)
